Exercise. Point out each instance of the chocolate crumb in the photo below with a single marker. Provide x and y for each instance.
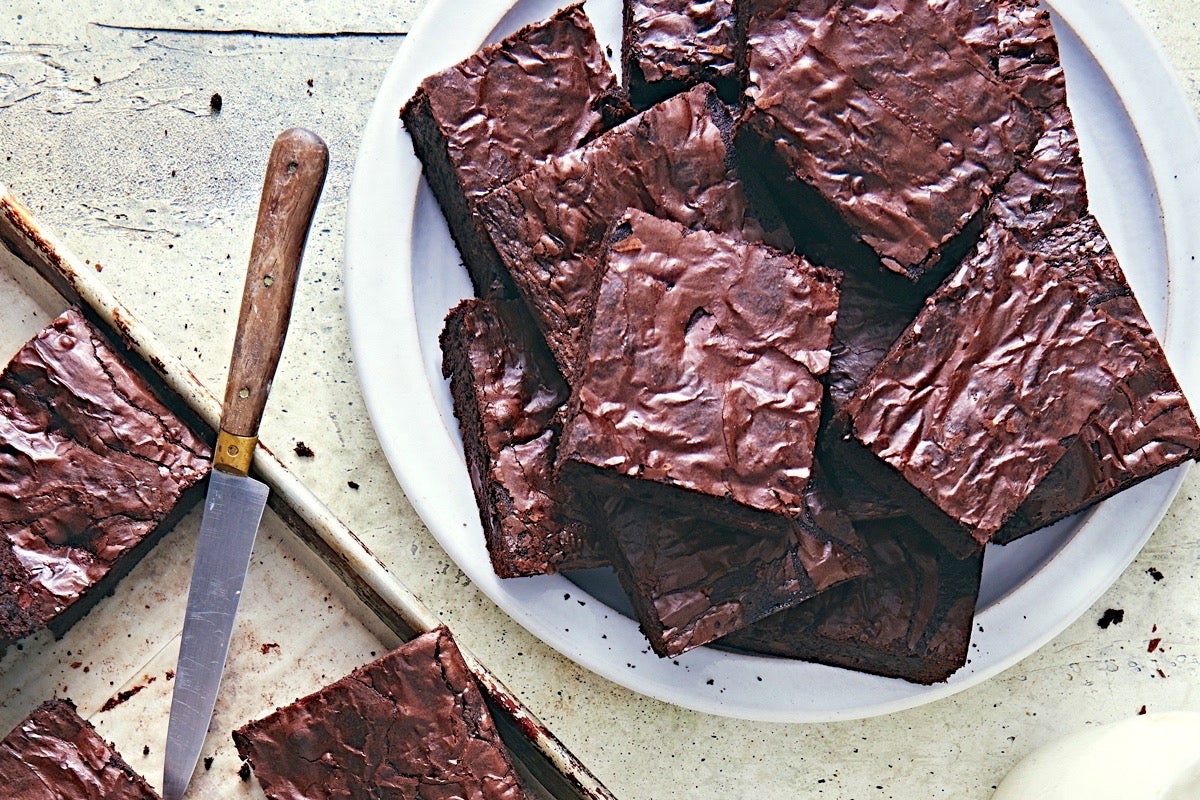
(1141, 711)
(352, 485)
(244, 772)
(1155, 574)
(208, 763)
(145, 749)
(266, 648)
(1154, 643)
(309, 82)
(1113, 616)
(215, 102)
(304, 451)
(120, 698)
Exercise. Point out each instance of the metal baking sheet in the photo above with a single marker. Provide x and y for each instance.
(117, 663)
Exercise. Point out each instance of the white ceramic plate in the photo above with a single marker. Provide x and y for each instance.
(403, 274)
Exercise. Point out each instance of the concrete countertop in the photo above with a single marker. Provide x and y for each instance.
(138, 133)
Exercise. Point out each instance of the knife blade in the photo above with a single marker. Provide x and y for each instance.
(234, 504)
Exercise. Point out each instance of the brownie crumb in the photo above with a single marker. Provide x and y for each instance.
(304, 451)
(120, 698)
(1154, 643)
(145, 749)
(244, 772)
(1142, 711)
(266, 648)
(353, 485)
(1155, 574)
(208, 763)
(1113, 616)
(215, 102)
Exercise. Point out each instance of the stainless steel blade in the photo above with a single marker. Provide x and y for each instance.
(232, 513)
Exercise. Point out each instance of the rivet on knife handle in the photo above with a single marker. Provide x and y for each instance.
(295, 174)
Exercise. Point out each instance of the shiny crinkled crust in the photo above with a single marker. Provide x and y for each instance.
(924, 132)
(55, 754)
(410, 725)
(982, 395)
(700, 367)
(540, 91)
(91, 464)
(776, 33)
(673, 160)
(668, 45)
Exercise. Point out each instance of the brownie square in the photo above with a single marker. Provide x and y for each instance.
(1147, 425)
(984, 393)
(507, 397)
(412, 724)
(93, 469)
(674, 160)
(540, 92)
(909, 617)
(897, 127)
(671, 45)
(698, 385)
(54, 754)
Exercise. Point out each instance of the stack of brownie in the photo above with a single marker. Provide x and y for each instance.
(794, 328)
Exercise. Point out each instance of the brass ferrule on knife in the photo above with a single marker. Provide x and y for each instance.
(234, 453)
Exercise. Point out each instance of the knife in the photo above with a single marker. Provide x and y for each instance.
(234, 505)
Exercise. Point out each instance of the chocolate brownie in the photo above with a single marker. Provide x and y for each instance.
(910, 617)
(412, 724)
(674, 160)
(983, 394)
(56, 754)
(698, 384)
(93, 469)
(897, 127)
(507, 398)
(540, 92)
(1145, 427)
(671, 45)
(692, 581)
(692, 424)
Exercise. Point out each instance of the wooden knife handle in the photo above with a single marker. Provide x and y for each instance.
(295, 174)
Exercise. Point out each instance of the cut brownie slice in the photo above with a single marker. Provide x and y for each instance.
(507, 398)
(412, 724)
(698, 384)
(56, 754)
(1147, 425)
(671, 45)
(93, 469)
(897, 127)
(910, 617)
(540, 92)
(692, 425)
(983, 394)
(674, 160)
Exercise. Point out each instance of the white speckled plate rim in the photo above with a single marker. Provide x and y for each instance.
(402, 274)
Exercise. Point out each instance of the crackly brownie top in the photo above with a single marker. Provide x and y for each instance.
(537, 93)
(412, 724)
(90, 460)
(700, 368)
(898, 124)
(673, 160)
(776, 33)
(679, 40)
(56, 754)
(979, 398)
